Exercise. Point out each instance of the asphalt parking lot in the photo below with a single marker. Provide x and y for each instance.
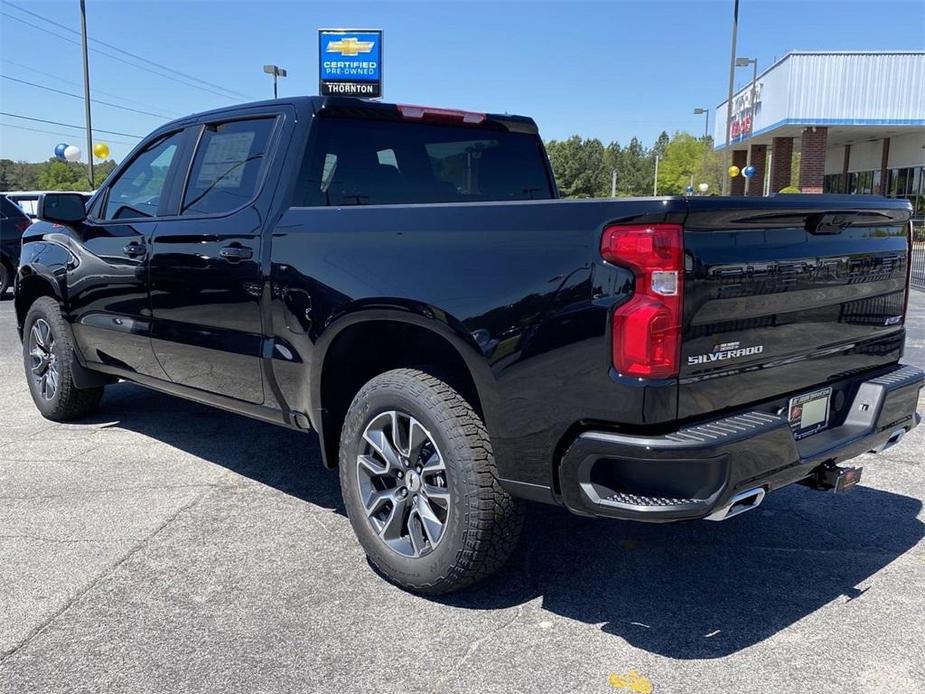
(163, 546)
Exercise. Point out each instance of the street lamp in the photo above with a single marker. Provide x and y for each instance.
(276, 71)
(745, 62)
(706, 120)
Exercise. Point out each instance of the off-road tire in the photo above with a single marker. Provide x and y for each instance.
(484, 521)
(69, 401)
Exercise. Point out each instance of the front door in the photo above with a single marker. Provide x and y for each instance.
(205, 271)
(107, 283)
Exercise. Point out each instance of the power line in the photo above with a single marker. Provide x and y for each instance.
(59, 133)
(69, 125)
(76, 84)
(118, 59)
(128, 53)
(78, 96)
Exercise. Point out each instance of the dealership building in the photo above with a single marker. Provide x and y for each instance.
(856, 118)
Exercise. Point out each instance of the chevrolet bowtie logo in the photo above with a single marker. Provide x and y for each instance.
(350, 47)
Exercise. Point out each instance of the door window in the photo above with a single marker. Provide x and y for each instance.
(228, 166)
(137, 192)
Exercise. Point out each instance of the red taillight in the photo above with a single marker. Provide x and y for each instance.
(647, 328)
(440, 114)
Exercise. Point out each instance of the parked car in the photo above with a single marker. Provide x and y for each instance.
(28, 200)
(13, 222)
(404, 282)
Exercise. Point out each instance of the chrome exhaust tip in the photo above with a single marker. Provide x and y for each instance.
(740, 503)
(895, 438)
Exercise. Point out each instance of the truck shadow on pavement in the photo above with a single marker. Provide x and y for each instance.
(683, 590)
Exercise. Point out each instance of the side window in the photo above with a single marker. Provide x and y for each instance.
(228, 165)
(137, 192)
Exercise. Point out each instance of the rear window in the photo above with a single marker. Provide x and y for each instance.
(371, 162)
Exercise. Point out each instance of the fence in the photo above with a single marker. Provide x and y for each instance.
(918, 265)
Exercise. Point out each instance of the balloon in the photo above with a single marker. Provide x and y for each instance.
(101, 150)
(748, 171)
(733, 171)
(59, 150)
(72, 153)
(703, 187)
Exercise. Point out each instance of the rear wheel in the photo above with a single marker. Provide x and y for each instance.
(420, 486)
(48, 354)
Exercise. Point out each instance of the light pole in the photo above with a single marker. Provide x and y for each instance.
(706, 120)
(745, 62)
(83, 46)
(732, 74)
(277, 72)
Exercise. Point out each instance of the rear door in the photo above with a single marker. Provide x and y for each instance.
(206, 274)
(787, 293)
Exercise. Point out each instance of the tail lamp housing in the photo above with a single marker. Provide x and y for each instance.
(647, 328)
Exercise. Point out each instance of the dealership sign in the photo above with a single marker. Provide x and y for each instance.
(350, 62)
(743, 113)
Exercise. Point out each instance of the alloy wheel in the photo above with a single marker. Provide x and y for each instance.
(402, 481)
(44, 360)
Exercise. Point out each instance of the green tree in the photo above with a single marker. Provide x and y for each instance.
(635, 170)
(101, 171)
(689, 161)
(60, 175)
(578, 165)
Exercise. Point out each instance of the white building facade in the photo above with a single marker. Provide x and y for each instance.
(857, 119)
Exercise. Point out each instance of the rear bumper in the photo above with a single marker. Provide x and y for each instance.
(696, 471)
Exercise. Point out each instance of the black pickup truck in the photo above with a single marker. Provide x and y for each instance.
(403, 281)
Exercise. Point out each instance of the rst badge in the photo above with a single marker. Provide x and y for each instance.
(724, 351)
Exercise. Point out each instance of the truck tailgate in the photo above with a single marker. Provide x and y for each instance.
(787, 293)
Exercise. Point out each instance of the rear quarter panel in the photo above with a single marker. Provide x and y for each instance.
(518, 288)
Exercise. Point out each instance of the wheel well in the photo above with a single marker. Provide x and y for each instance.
(365, 350)
(30, 289)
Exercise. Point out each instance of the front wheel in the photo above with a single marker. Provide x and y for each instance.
(420, 486)
(48, 354)
(5, 278)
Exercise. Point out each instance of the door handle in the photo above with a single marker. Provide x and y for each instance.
(133, 250)
(235, 253)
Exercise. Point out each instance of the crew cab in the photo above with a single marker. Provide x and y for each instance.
(404, 282)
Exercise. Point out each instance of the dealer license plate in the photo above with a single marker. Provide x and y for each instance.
(809, 413)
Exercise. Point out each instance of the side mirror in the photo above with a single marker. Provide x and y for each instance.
(62, 208)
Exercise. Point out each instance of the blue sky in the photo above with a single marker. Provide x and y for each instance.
(610, 70)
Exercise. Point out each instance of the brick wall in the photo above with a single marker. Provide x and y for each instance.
(781, 161)
(760, 162)
(812, 160)
(737, 185)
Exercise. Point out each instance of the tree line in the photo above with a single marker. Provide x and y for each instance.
(51, 175)
(583, 167)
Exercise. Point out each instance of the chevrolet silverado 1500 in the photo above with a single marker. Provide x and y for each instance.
(403, 281)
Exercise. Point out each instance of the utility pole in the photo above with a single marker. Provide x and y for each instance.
(655, 181)
(613, 183)
(83, 46)
(732, 74)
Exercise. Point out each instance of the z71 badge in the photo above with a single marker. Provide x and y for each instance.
(726, 350)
